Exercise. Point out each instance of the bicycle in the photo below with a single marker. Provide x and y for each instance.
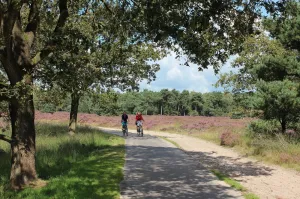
(124, 128)
(140, 131)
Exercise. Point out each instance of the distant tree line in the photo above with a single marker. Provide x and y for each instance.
(164, 102)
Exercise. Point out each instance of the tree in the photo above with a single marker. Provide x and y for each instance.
(215, 104)
(206, 31)
(280, 101)
(19, 57)
(271, 67)
(105, 103)
(184, 102)
(85, 61)
(197, 102)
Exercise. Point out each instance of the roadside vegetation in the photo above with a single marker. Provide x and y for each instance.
(248, 136)
(88, 165)
(235, 184)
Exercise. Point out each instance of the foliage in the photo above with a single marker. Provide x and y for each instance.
(148, 102)
(262, 127)
(269, 65)
(86, 166)
(280, 100)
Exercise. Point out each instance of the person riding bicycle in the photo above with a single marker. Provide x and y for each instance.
(138, 119)
(124, 119)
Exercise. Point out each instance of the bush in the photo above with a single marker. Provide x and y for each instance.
(237, 115)
(194, 113)
(48, 108)
(229, 139)
(264, 127)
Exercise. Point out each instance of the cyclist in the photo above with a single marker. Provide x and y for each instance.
(124, 119)
(138, 119)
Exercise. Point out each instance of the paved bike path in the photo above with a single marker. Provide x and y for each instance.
(155, 168)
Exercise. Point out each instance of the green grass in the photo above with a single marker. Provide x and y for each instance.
(250, 196)
(87, 165)
(235, 184)
(171, 141)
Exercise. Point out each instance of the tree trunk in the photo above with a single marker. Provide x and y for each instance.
(19, 57)
(23, 170)
(73, 114)
(283, 125)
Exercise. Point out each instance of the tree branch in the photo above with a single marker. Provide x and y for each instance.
(33, 20)
(50, 46)
(107, 7)
(3, 137)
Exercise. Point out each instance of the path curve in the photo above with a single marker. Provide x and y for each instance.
(155, 168)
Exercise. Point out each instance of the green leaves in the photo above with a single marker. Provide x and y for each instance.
(271, 67)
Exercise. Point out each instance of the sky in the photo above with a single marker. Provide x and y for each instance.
(173, 75)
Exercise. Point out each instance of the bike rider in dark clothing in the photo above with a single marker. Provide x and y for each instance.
(124, 119)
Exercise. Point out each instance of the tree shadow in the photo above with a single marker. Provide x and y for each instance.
(231, 166)
(74, 169)
(96, 173)
(167, 172)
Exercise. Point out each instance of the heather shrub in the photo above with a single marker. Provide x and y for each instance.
(229, 139)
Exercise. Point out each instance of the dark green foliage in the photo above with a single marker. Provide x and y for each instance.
(262, 127)
(217, 104)
(270, 66)
(149, 103)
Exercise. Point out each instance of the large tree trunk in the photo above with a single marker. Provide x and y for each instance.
(73, 113)
(23, 170)
(19, 58)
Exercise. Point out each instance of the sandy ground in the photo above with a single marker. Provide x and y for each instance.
(266, 181)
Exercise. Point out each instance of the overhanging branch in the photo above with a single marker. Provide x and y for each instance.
(33, 20)
(50, 46)
(3, 137)
(107, 7)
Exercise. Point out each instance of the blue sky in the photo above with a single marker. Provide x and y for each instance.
(172, 75)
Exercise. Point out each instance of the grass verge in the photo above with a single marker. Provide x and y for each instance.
(87, 165)
(171, 141)
(234, 184)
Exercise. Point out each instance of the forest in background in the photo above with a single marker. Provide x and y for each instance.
(164, 102)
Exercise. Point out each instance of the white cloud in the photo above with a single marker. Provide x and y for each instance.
(173, 75)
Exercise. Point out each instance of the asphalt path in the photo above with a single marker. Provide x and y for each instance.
(155, 168)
